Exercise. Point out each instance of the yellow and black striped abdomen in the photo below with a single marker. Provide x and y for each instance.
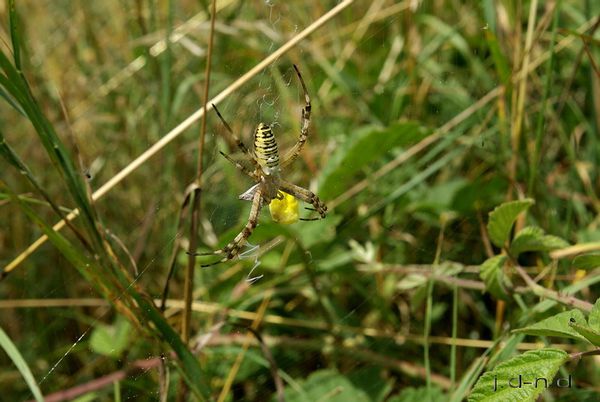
(265, 147)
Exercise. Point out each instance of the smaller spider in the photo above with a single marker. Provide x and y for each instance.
(270, 189)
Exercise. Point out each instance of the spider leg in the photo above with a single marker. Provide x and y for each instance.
(306, 196)
(240, 144)
(235, 246)
(292, 154)
(240, 167)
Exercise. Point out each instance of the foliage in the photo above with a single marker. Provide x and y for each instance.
(455, 144)
(534, 369)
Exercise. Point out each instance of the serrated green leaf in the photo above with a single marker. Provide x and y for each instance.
(558, 325)
(502, 219)
(594, 318)
(528, 235)
(586, 261)
(532, 238)
(326, 385)
(493, 276)
(363, 147)
(502, 383)
(590, 334)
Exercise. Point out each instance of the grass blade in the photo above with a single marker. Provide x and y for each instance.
(14, 354)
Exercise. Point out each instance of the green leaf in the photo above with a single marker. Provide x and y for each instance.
(586, 261)
(363, 147)
(558, 325)
(527, 236)
(516, 379)
(493, 276)
(502, 219)
(532, 238)
(325, 385)
(594, 318)
(111, 340)
(14, 354)
(582, 327)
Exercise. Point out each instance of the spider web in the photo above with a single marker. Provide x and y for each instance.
(267, 107)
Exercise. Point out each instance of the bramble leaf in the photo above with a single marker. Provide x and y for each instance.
(590, 334)
(532, 238)
(502, 219)
(493, 276)
(558, 325)
(326, 385)
(521, 378)
(594, 318)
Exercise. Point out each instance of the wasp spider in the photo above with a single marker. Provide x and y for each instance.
(270, 188)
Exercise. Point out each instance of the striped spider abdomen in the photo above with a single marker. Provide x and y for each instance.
(266, 149)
